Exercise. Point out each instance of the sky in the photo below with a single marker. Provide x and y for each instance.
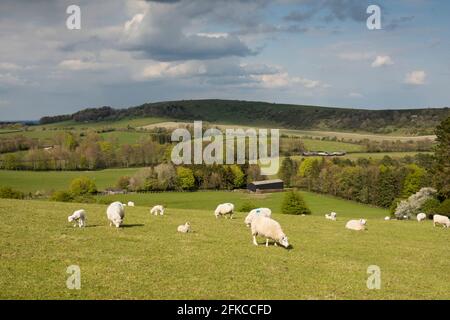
(313, 52)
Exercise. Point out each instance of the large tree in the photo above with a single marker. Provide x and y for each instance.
(441, 169)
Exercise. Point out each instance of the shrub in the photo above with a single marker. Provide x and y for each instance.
(62, 196)
(430, 206)
(123, 182)
(82, 186)
(293, 203)
(9, 193)
(414, 203)
(444, 208)
(247, 206)
(185, 178)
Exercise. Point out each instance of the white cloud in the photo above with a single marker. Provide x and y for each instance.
(78, 65)
(3, 103)
(283, 79)
(417, 77)
(166, 69)
(356, 56)
(355, 95)
(9, 66)
(132, 26)
(381, 61)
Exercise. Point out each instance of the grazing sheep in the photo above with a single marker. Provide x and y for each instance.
(130, 203)
(115, 214)
(331, 216)
(438, 219)
(159, 209)
(387, 218)
(184, 228)
(224, 209)
(261, 212)
(421, 216)
(357, 225)
(79, 217)
(270, 229)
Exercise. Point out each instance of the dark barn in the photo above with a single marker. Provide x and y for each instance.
(266, 185)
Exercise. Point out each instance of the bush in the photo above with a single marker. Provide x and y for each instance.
(444, 208)
(247, 206)
(185, 178)
(9, 193)
(62, 196)
(82, 186)
(430, 206)
(123, 182)
(293, 203)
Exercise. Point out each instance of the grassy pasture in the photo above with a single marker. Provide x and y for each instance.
(148, 259)
(319, 204)
(30, 181)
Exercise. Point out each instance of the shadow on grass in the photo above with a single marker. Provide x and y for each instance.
(132, 225)
(272, 244)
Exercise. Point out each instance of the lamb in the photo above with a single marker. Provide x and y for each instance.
(115, 214)
(130, 203)
(331, 216)
(224, 209)
(270, 229)
(387, 218)
(438, 219)
(78, 216)
(158, 209)
(357, 225)
(184, 228)
(262, 212)
(421, 216)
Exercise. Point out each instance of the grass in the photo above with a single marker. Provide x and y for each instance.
(148, 259)
(320, 204)
(30, 181)
(331, 146)
(355, 136)
(374, 155)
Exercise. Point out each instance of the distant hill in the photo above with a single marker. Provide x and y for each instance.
(411, 121)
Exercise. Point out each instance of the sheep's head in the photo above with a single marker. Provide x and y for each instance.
(284, 241)
(363, 222)
(187, 224)
(118, 222)
(248, 220)
(70, 218)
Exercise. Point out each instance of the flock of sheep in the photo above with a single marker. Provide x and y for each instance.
(259, 220)
(437, 219)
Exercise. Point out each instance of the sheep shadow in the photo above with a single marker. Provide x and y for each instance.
(272, 244)
(132, 225)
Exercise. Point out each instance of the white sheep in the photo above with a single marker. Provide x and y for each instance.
(79, 217)
(130, 203)
(443, 220)
(115, 214)
(357, 225)
(331, 216)
(184, 228)
(158, 209)
(270, 229)
(387, 218)
(262, 212)
(224, 209)
(421, 216)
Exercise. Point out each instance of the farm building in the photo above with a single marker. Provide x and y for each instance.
(266, 185)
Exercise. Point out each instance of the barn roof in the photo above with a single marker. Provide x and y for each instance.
(258, 183)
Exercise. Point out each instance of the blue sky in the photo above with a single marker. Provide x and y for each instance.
(316, 52)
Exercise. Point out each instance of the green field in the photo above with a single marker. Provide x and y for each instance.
(30, 181)
(320, 204)
(373, 155)
(148, 259)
